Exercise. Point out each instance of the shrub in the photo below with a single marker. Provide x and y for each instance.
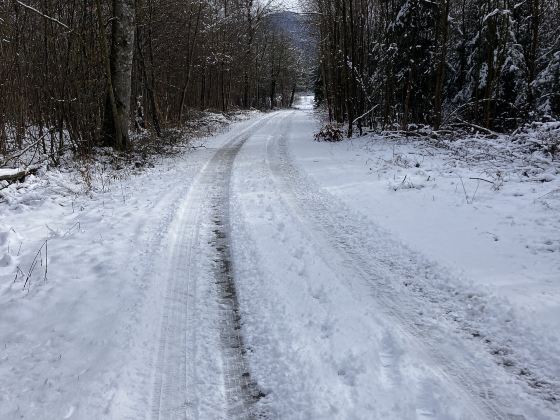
(330, 132)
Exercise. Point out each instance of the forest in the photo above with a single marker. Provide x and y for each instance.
(489, 64)
(77, 74)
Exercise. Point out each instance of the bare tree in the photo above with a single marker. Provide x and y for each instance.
(74, 73)
(119, 73)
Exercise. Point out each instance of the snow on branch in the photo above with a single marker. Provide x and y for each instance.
(366, 113)
(44, 15)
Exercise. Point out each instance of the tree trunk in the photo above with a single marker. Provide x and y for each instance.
(117, 105)
(189, 64)
(292, 96)
(440, 72)
(532, 59)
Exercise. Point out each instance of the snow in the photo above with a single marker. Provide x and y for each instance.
(481, 291)
(79, 341)
(503, 235)
(305, 102)
(371, 284)
(321, 347)
(8, 172)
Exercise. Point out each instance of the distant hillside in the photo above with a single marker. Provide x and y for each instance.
(299, 29)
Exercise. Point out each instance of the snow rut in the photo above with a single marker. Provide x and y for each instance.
(370, 259)
(241, 390)
(203, 220)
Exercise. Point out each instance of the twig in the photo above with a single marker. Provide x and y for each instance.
(547, 194)
(22, 152)
(46, 260)
(465, 190)
(18, 271)
(401, 184)
(482, 179)
(72, 228)
(42, 14)
(475, 191)
(33, 265)
(478, 127)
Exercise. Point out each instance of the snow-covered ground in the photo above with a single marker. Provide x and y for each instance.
(79, 338)
(372, 278)
(365, 275)
(489, 215)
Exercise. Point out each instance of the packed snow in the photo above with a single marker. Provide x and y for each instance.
(377, 277)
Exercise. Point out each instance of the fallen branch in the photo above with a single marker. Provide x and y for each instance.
(17, 174)
(405, 133)
(478, 127)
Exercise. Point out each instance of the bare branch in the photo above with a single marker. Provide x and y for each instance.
(44, 15)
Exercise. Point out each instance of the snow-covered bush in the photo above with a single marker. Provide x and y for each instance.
(330, 132)
(551, 144)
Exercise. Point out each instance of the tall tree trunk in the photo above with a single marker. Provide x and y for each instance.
(147, 76)
(249, 7)
(189, 64)
(440, 72)
(292, 96)
(117, 105)
(532, 59)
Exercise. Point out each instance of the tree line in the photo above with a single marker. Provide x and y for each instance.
(493, 64)
(79, 73)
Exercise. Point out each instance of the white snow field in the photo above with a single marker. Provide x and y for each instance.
(266, 275)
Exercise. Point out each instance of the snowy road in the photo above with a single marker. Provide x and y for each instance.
(237, 286)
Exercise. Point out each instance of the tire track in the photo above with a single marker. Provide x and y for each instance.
(242, 392)
(350, 246)
(204, 214)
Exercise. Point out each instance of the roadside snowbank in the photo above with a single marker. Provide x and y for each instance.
(489, 210)
(80, 294)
